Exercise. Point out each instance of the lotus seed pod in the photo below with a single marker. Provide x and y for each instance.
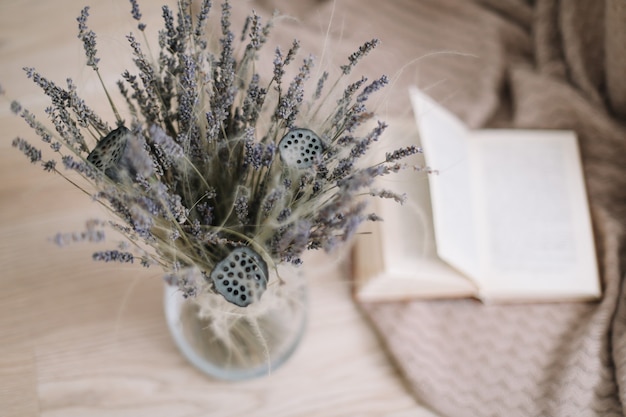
(109, 150)
(300, 148)
(241, 277)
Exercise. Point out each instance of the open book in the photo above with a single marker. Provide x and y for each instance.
(504, 218)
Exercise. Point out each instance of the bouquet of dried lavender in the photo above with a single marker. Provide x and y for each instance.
(220, 175)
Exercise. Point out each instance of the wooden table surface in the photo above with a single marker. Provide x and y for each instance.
(79, 338)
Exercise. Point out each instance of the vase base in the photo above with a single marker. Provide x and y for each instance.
(238, 346)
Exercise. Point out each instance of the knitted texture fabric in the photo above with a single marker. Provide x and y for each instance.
(528, 64)
(548, 65)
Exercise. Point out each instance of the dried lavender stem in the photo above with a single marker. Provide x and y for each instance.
(106, 92)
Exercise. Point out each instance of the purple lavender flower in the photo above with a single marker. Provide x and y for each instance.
(199, 173)
(88, 37)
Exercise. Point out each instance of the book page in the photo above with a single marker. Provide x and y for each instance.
(400, 254)
(409, 266)
(444, 140)
(535, 228)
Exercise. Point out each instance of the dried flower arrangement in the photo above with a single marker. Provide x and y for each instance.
(219, 174)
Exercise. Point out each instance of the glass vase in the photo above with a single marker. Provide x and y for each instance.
(234, 343)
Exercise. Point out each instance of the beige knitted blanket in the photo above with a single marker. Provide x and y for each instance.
(517, 63)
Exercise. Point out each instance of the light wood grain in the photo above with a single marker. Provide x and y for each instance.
(79, 338)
